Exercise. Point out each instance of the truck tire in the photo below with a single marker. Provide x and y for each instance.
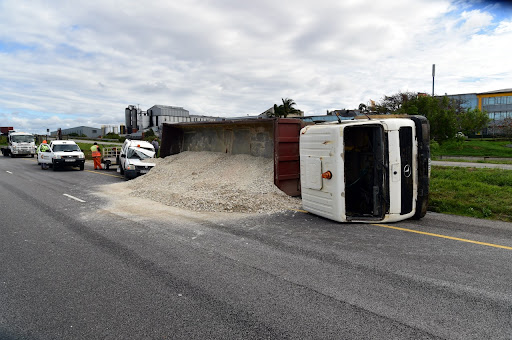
(54, 167)
(107, 165)
(31, 156)
(11, 154)
(121, 171)
(81, 167)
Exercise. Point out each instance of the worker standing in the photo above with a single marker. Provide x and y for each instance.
(156, 146)
(44, 148)
(96, 156)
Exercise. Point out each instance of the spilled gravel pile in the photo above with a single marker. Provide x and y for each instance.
(214, 182)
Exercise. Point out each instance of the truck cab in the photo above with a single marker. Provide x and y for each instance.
(61, 153)
(366, 170)
(135, 158)
(19, 144)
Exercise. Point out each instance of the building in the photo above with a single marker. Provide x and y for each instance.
(87, 131)
(137, 120)
(497, 104)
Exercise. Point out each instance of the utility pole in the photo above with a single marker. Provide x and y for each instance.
(433, 76)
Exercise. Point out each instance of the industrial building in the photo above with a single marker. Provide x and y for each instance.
(497, 104)
(138, 121)
(91, 132)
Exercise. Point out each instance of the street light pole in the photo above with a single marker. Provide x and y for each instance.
(433, 76)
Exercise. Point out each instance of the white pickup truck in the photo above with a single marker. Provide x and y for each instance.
(59, 154)
(133, 158)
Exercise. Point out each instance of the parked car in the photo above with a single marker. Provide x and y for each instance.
(61, 153)
(131, 160)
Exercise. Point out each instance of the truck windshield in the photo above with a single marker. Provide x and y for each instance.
(22, 138)
(138, 154)
(66, 147)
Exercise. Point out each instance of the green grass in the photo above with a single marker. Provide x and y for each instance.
(493, 161)
(481, 193)
(474, 148)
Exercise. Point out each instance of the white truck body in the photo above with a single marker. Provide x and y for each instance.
(20, 144)
(133, 160)
(374, 170)
(61, 153)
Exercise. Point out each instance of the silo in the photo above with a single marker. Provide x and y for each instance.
(145, 120)
(128, 117)
(134, 118)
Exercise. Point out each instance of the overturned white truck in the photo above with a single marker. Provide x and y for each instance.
(366, 170)
(361, 170)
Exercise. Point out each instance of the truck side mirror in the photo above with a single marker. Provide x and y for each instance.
(123, 155)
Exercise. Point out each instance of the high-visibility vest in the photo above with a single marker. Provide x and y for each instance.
(95, 152)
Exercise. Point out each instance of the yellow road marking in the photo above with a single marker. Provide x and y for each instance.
(299, 210)
(103, 173)
(443, 236)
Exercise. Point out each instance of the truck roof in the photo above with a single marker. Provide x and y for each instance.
(63, 142)
(18, 133)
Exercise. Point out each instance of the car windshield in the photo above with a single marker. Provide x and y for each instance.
(22, 139)
(66, 147)
(139, 154)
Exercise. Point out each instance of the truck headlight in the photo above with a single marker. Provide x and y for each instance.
(57, 156)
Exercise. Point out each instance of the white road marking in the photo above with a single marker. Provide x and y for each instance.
(8, 172)
(75, 198)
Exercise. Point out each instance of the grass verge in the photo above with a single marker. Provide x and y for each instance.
(474, 148)
(481, 193)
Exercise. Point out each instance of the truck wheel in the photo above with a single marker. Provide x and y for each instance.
(121, 171)
(54, 167)
(81, 167)
(11, 154)
(31, 156)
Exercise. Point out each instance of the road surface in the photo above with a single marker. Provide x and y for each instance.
(73, 267)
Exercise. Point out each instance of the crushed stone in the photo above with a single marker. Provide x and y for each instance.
(213, 182)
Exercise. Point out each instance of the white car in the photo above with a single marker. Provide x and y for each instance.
(130, 161)
(61, 153)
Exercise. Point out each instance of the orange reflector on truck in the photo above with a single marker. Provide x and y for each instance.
(327, 175)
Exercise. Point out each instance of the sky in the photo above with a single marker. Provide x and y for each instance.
(67, 63)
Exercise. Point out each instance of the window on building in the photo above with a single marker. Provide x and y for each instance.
(94, 131)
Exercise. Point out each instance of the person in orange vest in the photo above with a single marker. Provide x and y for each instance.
(96, 156)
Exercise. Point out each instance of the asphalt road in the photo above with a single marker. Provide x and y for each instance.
(71, 268)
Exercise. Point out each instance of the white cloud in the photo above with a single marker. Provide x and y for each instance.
(83, 64)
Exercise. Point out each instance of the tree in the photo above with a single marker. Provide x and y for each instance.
(394, 103)
(471, 121)
(507, 127)
(442, 112)
(286, 108)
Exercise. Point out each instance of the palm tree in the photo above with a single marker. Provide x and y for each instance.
(286, 108)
